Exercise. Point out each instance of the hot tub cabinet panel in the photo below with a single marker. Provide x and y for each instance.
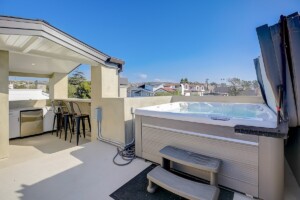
(244, 157)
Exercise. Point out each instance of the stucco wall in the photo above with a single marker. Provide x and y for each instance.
(110, 82)
(58, 86)
(4, 123)
(112, 124)
(105, 82)
(85, 108)
(104, 94)
(138, 102)
(118, 120)
(123, 92)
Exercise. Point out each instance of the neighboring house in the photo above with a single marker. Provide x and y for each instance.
(211, 88)
(186, 86)
(144, 90)
(250, 92)
(139, 92)
(174, 86)
(42, 87)
(224, 90)
(220, 90)
(194, 89)
(11, 86)
(123, 86)
(165, 90)
(27, 94)
(150, 89)
(152, 86)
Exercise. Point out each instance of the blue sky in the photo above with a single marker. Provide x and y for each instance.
(165, 39)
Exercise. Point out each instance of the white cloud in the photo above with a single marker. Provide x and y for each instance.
(163, 80)
(143, 76)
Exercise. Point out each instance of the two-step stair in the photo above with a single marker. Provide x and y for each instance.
(183, 187)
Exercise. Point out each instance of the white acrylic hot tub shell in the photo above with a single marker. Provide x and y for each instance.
(250, 164)
(165, 111)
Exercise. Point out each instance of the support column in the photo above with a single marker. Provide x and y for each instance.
(4, 121)
(58, 86)
(104, 84)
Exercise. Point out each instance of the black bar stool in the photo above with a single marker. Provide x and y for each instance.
(66, 117)
(58, 119)
(78, 117)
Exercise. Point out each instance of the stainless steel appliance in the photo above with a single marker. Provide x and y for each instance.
(31, 122)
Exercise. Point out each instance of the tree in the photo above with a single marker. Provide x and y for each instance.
(36, 84)
(84, 90)
(71, 91)
(223, 84)
(255, 84)
(246, 84)
(76, 78)
(235, 87)
(206, 81)
(19, 86)
(78, 86)
(184, 80)
(213, 84)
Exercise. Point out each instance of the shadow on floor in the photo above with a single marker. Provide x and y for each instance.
(86, 173)
(48, 143)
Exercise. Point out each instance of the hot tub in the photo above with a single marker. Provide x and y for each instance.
(224, 114)
(250, 164)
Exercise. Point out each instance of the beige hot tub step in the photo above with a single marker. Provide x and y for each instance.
(191, 159)
(180, 186)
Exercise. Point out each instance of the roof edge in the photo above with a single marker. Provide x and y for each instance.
(109, 59)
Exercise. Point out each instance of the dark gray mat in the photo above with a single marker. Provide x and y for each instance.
(136, 189)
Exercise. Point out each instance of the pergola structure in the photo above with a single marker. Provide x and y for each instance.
(34, 48)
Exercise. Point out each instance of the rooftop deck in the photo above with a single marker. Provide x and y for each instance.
(46, 167)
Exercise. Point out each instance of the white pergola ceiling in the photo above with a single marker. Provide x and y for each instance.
(37, 55)
(35, 47)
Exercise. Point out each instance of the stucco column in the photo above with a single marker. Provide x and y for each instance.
(58, 86)
(4, 121)
(104, 84)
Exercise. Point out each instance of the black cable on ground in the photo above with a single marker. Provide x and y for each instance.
(127, 154)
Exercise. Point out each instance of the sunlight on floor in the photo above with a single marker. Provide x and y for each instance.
(72, 172)
(22, 150)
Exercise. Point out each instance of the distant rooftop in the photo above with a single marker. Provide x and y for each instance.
(27, 94)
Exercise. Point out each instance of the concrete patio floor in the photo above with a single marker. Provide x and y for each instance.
(46, 167)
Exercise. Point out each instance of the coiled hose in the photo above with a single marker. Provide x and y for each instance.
(127, 154)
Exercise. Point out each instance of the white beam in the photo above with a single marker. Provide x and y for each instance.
(33, 43)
